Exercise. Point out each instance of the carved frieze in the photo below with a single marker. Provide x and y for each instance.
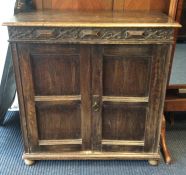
(23, 6)
(77, 34)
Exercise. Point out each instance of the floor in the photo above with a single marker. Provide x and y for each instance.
(178, 74)
(11, 149)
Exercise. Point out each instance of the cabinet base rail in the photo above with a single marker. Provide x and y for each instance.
(88, 155)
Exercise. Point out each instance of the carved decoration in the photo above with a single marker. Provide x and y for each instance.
(23, 6)
(89, 34)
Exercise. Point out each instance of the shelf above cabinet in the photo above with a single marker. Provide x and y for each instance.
(92, 19)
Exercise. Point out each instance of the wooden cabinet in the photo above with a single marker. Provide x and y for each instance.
(90, 97)
(89, 91)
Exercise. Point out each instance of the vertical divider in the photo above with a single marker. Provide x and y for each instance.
(85, 84)
(97, 92)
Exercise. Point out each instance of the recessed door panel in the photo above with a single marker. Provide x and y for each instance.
(121, 87)
(58, 122)
(126, 71)
(123, 121)
(49, 70)
(56, 91)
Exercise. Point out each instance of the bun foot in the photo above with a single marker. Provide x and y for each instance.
(29, 162)
(153, 162)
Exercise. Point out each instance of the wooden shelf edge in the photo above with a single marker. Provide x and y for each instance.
(176, 86)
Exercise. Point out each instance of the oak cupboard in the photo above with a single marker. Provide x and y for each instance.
(91, 85)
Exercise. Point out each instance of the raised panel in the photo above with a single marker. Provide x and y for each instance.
(126, 72)
(123, 121)
(56, 74)
(58, 122)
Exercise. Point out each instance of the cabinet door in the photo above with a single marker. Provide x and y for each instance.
(127, 86)
(56, 91)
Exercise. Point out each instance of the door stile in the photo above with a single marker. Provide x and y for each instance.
(155, 94)
(85, 84)
(28, 95)
(97, 92)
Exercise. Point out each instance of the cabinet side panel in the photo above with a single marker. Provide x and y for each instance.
(28, 93)
(161, 61)
(168, 52)
(22, 112)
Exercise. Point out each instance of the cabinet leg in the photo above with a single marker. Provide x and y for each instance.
(165, 150)
(29, 162)
(153, 162)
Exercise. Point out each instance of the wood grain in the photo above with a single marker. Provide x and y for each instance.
(137, 5)
(58, 18)
(38, 4)
(85, 77)
(123, 142)
(83, 155)
(97, 92)
(159, 68)
(112, 5)
(118, 5)
(22, 110)
(173, 8)
(47, 4)
(28, 93)
(98, 100)
(160, 5)
(47, 79)
(58, 98)
(82, 5)
(125, 99)
(61, 142)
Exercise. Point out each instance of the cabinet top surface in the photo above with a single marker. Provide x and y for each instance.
(51, 18)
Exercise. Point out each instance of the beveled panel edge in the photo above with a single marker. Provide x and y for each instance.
(123, 142)
(61, 142)
(88, 35)
(58, 98)
(125, 99)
